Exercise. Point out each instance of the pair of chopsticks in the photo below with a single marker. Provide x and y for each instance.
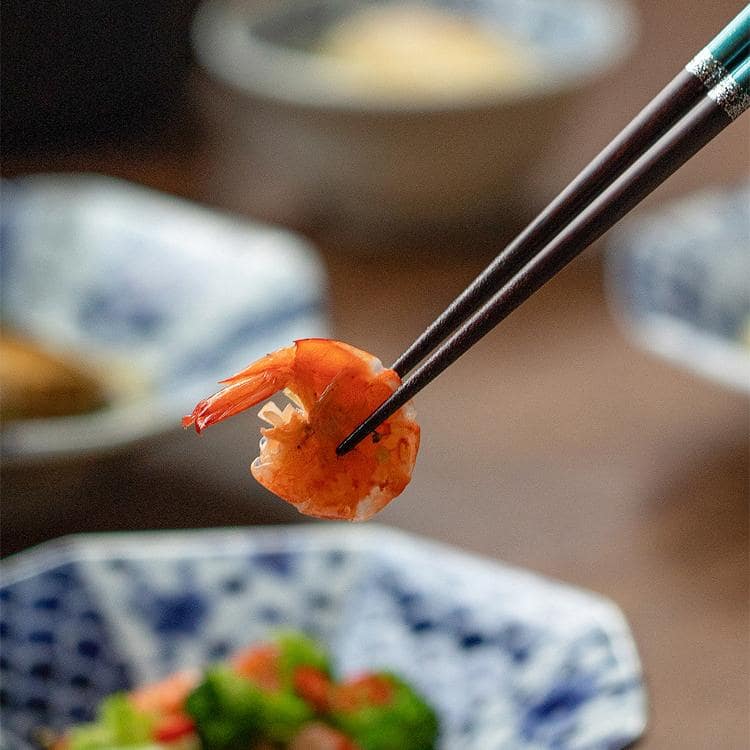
(707, 95)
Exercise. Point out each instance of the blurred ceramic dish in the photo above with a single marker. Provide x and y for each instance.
(510, 660)
(317, 146)
(678, 280)
(162, 295)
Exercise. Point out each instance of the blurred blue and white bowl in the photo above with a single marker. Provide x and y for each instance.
(678, 280)
(510, 660)
(163, 296)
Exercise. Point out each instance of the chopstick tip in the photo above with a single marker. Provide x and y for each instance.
(349, 443)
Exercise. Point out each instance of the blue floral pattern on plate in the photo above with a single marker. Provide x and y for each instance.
(511, 660)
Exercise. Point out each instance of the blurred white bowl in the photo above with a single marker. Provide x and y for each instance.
(161, 296)
(305, 144)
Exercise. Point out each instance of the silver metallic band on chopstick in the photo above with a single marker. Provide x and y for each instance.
(706, 68)
(730, 96)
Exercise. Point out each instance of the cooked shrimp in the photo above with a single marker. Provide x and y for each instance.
(332, 387)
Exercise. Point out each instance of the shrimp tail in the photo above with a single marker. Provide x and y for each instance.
(247, 388)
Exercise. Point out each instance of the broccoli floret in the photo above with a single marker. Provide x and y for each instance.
(231, 712)
(118, 724)
(403, 721)
(227, 710)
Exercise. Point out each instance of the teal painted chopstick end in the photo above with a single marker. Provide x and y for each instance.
(725, 51)
(732, 39)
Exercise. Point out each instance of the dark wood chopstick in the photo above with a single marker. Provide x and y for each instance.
(724, 103)
(667, 107)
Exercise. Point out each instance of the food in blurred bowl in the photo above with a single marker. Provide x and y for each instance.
(419, 51)
(276, 695)
(35, 383)
(378, 118)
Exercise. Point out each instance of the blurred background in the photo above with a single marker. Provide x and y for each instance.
(187, 186)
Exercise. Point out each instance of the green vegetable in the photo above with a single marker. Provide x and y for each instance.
(297, 650)
(283, 715)
(226, 709)
(231, 712)
(118, 725)
(406, 722)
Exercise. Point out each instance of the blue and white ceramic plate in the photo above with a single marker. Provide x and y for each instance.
(510, 660)
(158, 295)
(678, 279)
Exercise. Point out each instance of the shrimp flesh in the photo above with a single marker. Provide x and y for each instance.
(332, 387)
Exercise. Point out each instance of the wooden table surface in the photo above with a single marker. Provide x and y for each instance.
(554, 444)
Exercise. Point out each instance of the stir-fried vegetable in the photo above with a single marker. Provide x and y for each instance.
(268, 697)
